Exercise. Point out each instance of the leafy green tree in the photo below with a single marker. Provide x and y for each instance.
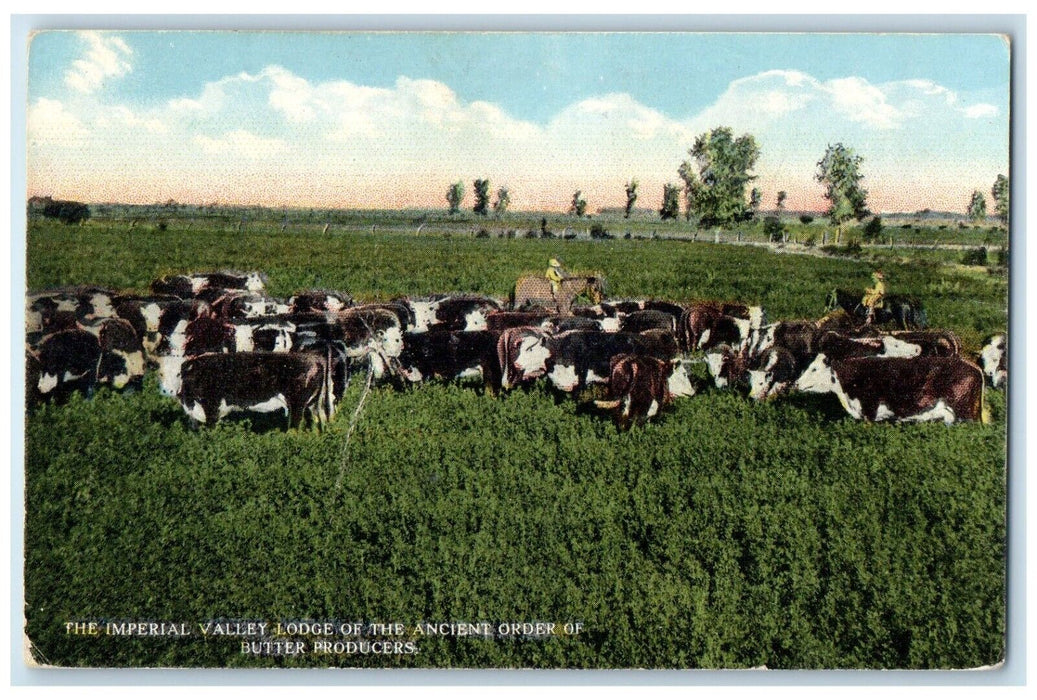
(671, 207)
(977, 210)
(1000, 194)
(482, 197)
(502, 203)
(717, 192)
(687, 174)
(755, 198)
(454, 196)
(782, 196)
(839, 171)
(631, 198)
(579, 204)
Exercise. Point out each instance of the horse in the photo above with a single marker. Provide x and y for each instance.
(905, 311)
(534, 290)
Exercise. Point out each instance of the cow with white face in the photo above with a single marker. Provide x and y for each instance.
(900, 389)
(523, 355)
(772, 374)
(993, 359)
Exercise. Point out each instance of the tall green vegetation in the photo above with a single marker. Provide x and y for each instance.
(839, 172)
(631, 190)
(715, 191)
(1000, 192)
(500, 207)
(977, 209)
(671, 205)
(454, 196)
(755, 199)
(482, 197)
(724, 534)
(578, 206)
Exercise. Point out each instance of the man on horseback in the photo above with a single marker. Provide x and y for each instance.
(873, 295)
(555, 274)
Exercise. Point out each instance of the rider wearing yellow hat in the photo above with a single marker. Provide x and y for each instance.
(873, 295)
(555, 274)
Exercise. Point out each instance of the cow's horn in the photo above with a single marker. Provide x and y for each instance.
(607, 404)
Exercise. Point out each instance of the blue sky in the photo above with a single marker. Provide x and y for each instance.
(314, 111)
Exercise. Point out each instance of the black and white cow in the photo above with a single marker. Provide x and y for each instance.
(160, 321)
(456, 312)
(450, 355)
(993, 358)
(772, 373)
(243, 304)
(901, 389)
(298, 385)
(50, 310)
(319, 301)
(185, 286)
(121, 364)
(67, 362)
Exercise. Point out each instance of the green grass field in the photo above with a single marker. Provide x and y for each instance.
(727, 534)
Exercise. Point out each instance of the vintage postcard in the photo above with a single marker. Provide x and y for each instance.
(516, 350)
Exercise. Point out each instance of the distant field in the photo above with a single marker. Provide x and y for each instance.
(727, 534)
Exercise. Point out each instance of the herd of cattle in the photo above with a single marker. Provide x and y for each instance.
(222, 347)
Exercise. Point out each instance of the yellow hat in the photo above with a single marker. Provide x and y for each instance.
(553, 262)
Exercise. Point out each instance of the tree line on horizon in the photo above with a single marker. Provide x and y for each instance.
(714, 182)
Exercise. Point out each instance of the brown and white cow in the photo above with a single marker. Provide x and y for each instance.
(640, 386)
(712, 323)
(451, 355)
(299, 385)
(579, 358)
(901, 389)
(522, 355)
(993, 358)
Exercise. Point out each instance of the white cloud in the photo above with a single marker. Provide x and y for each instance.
(336, 142)
(49, 122)
(981, 110)
(107, 56)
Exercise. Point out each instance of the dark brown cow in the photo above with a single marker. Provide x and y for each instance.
(67, 363)
(772, 373)
(711, 323)
(579, 358)
(302, 385)
(640, 386)
(450, 355)
(901, 389)
(648, 319)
